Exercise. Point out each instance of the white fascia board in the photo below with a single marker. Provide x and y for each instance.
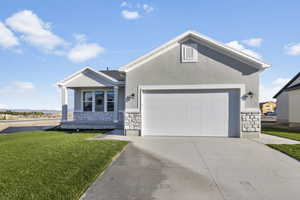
(172, 43)
(71, 77)
(192, 87)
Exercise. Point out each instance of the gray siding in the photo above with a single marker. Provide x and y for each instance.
(212, 68)
(282, 107)
(294, 108)
(88, 79)
(121, 104)
(77, 99)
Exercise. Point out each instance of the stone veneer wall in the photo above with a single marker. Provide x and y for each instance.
(250, 124)
(93, 116)
(132, 123)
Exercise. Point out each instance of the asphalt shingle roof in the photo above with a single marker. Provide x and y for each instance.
(118, 75)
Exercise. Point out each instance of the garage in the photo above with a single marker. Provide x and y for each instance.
(204, 112)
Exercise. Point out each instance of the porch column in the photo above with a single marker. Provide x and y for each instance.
(64, 103)
(116, 101)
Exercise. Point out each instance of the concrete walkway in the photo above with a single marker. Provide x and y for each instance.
(171, 168)
(270, 139)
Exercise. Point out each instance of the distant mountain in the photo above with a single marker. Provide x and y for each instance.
(31, 110)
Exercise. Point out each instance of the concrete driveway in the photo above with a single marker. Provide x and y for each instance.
(171, 168)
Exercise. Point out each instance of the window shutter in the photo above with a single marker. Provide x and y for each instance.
(189, 52)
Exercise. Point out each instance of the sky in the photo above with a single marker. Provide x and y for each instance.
(42, 42)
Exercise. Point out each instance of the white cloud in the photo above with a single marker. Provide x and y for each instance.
(38, 33)
(34, 30)
(85, 51)
(267, 93)
(292, 49)
(54, 85)
(148, 8)
(281, 81)
(7, 38)
(17, 87)
(135, 10)
(125, 4)
(80, 37)
(3, 106)
(130, 14)
(238, 46)
(253, 42)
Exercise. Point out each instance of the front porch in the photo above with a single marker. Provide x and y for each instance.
(91, 125)
(98, 100)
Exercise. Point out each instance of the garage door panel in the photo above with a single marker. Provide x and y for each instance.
(186, 113)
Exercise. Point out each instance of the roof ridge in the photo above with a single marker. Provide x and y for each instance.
(287, 85)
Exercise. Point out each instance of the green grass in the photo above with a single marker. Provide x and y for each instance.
(44, 165)
(293, 135)
(292, 150)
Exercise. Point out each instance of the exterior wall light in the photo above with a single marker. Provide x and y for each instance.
(129, 97)
(250, 94)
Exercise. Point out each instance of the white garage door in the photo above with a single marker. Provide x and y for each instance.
(190, 113)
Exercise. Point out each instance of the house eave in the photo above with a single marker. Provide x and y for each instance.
(286, 86)
(254, 62)
(108, 78)
(119, 84)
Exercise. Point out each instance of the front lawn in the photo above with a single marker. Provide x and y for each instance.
(292, 150)
(282, 133)
(51, 165)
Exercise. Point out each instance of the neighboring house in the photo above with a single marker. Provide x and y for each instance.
(190, 86)
(288, 103)
(267, 107)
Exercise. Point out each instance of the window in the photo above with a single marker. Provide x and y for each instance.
(98, 101)
(87, 101)
(110, 101)
(189, 52)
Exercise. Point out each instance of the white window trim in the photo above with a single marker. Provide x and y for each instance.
(194, 47)
(106, 100)
(94, 102)
(83, 101)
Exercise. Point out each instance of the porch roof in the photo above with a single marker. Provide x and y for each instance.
(89, 77)
(116, 74)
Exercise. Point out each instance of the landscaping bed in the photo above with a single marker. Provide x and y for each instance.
(52, 165)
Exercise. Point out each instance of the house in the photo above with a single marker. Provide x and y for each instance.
(267, 107)
(288, 103)
(189, 86)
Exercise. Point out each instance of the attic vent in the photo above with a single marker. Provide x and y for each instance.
(189, 52)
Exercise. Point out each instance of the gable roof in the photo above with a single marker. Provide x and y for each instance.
(101, 73)
(116, 74)
(286, 87)
(294, 87)
(209, 41)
